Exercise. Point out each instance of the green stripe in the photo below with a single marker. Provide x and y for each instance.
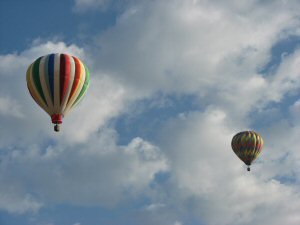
(85, 85)
(36, 78)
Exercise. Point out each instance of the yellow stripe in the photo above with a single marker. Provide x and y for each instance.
(77, 92)
(34, 91)
(45, 88)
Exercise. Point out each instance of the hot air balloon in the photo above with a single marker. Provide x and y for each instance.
(247, 145)
(57, 83)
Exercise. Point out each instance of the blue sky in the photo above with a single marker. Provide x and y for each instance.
(171, 83)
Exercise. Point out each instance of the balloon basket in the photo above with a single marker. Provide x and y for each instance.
(56, 128)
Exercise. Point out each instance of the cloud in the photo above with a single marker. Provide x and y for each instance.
(19, 204)
(105, 100)
(214, 51)
(19, 114)
(85, 5)
(286, 79)
(177, 223)
(51, 165)
(153, 207)
(210, 179)
(9, 107)
(98, 173)
(177, 46)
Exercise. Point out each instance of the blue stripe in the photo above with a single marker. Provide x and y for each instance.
(51, 75)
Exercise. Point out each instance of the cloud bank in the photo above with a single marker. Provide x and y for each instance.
(219, 53)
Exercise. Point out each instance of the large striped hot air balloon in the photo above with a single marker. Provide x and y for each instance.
(247, 145)
(57, 82)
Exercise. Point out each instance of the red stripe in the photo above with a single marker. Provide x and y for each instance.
(65, 69)
(76, 78)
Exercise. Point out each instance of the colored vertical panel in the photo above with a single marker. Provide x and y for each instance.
(76, 78)
(85, 85)
(56, 84)
(51, 75)
(36, 79)
(64, 75)
(44, 79)
(69, 85)
(82, 76)
(32, 89)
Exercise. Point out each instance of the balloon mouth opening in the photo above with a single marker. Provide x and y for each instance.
(56, 118)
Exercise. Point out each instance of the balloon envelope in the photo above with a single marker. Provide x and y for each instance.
(57, 82)
(247, 145)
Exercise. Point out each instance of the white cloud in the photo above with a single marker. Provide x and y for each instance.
(14, 202)
(188, 42)
(84, 5)
(9, 107)
(86, 147)
(104, 100)
(212, 50)
(286, 79)
(206, 173)
(96, 173)
(295, 111)
(155, 206)
(177, 223)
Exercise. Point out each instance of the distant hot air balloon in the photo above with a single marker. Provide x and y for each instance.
(57, 82)
(247, 145)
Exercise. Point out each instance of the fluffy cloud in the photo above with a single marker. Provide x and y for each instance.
(214, 51)
(286, 79)
(191, 45)
(11, 201)
(10, 107)
(14, 95)
(97, 173)
(20, 114)
(105, 100)
(208, 176)
(52, 165)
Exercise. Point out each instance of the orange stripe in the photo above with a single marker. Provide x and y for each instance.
(76, 78)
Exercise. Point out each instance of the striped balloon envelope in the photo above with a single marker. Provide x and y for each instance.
(57, 83)
(247, 145)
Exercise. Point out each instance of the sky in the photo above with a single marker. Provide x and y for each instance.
(172, 81)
